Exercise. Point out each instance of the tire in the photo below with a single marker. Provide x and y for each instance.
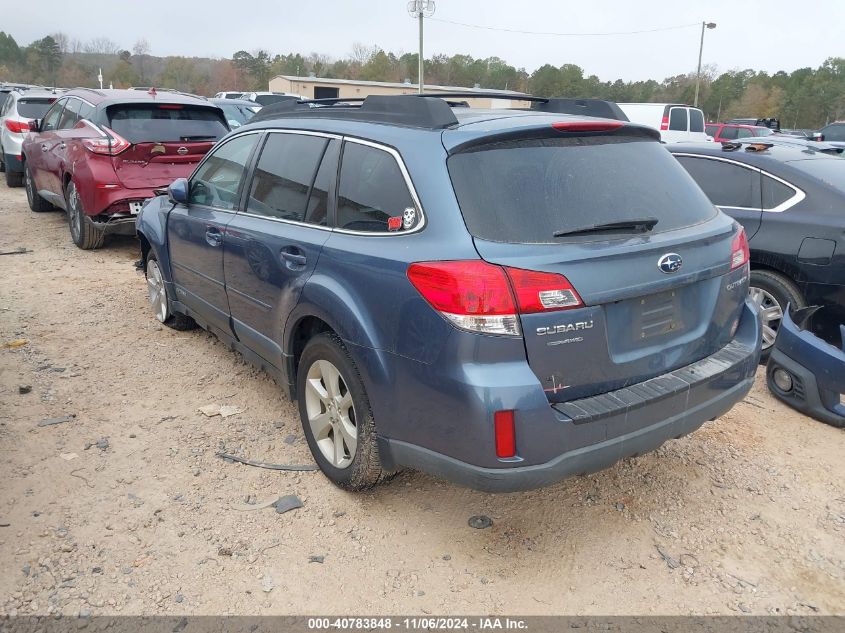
(36, 202)
(2, 161)
(160, 303)
(82, 230)
(13, 178)
(343, 418)
(771, 292)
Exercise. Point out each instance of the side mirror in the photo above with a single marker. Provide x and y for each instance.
(177, 192)
(35, 125)
(817, 136)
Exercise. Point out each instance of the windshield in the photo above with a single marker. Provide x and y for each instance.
(237, 115)
(830, 171)
(34, 108)
(526, 191)
(166, 122)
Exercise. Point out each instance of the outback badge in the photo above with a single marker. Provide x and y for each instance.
(670, 263)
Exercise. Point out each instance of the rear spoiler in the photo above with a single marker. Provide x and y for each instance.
(583, 107)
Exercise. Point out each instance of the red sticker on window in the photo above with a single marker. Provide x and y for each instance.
(394, 224)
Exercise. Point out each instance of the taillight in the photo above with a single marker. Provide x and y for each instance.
(481, 297)
(587, 126)
(739, 250)
(474, 295)
(110, 145)
(505, 433)
(664, 123)
(17, 127)
(542, 292)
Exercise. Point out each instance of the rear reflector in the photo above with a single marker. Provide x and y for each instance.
(17, 127)
(505, 434)
(587, 126)
(481, 297)
(739, 250)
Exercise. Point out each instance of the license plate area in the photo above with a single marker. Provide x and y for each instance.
(135, 206)
(657, 314)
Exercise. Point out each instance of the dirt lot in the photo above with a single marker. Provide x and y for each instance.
(745, 516)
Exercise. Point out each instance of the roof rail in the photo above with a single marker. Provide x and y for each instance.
(94, 90)
(409, 110)
(426, 110)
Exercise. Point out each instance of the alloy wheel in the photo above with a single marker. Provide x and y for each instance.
(770, 311)
(74, 212)
(30, 193)
(331, 413)
(156, 290)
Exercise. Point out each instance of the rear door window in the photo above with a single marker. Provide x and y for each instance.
(284, 176)
(32, 108)
(729, 132)
(712, 130)
(70, 115)
(217, 182)
(726, 184)
(163, 123)
(743, 132)
(678, 119)
(373, 195)
(526, 191)
(696, 120)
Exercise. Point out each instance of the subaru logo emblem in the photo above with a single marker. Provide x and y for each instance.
(182, 151)
(670, 263)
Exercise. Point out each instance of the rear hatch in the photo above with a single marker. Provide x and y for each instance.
(610, 210)
(166, 140)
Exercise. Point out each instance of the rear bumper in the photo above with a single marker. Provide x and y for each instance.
(13, 163)
(593, 433)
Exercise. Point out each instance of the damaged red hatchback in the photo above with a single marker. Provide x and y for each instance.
(99, 154)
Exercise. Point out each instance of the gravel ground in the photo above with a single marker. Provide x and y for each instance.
(126, 509)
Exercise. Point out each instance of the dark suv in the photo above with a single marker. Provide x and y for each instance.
(503, 298)
(99, 154)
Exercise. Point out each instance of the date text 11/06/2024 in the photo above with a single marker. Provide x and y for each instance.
(424, 623)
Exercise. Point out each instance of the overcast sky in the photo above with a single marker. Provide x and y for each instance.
(765, 35)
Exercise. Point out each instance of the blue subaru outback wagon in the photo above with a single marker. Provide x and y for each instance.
(500, 297)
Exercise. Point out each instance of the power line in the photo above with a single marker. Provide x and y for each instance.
(504, 30)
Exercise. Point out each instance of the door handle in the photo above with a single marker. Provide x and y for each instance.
(213, 236)
(63, 145)
(43, 147)
(294, 258)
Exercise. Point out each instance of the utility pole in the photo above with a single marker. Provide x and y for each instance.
(421, 9)
(709, 25)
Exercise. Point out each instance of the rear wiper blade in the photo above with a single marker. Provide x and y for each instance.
(640, 225)
(199, 138)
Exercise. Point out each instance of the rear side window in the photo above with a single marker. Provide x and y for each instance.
(696, 120)
(726, 184)
(372, 194)
(86, 111)
(51, 119)
(744, 132)
(33, 108)
(526, 191)
(217, 181)
(729, 132)
(284, 176)
(70, 115)
(678, 119)
(162, 123)
(775, 193)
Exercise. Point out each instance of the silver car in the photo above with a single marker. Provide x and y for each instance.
(19, 108)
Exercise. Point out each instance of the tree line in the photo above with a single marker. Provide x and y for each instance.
(804, 98)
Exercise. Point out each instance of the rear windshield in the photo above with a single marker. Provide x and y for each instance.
(829, 170)
(162, 123)
(34, 108)
(525, 191)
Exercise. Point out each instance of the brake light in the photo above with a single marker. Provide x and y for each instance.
(110, 145)
(664, 123)
(587, 126)
(482, 297)
(17, 127)
(739, 250)
(170, 107)
(504, 427)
